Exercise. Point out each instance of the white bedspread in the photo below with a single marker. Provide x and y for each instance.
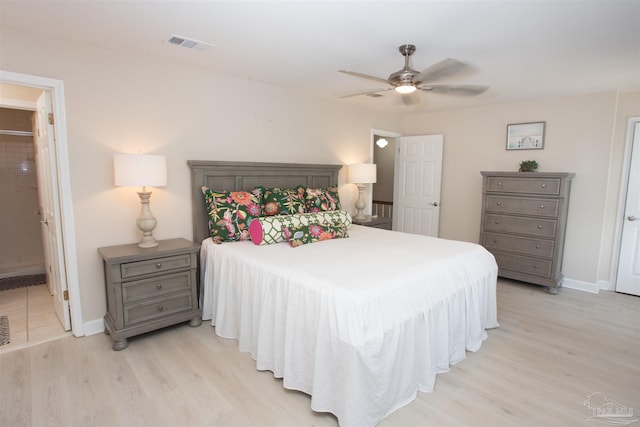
(361, 324)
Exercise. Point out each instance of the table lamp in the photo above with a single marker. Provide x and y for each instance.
(361, 174)
(142, 170)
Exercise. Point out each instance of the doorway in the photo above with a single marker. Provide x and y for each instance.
(58, 188)
(383, 154)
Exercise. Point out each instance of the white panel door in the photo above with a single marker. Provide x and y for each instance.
(418, 176)
(44, 138)
(629, 263)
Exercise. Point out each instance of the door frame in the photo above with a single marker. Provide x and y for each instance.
(622, 199)
(56, 89)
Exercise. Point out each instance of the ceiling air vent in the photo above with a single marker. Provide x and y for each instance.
(189, 43)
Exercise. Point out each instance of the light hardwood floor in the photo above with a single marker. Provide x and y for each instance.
(548, 356)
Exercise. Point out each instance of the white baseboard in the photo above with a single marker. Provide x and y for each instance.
(94, 327)
(581, 286)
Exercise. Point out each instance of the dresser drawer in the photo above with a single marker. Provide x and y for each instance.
(158, 308)
(523, 205)
(512, 224)
(157, 265)
(549, 186)
(523, 245)
(523, 264)
(157, 286)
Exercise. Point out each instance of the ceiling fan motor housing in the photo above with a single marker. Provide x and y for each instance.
(405, 76)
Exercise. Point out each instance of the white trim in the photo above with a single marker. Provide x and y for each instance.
(580, 285)
(622, 200)
(64, 180)
(17, 104)
(94, 327)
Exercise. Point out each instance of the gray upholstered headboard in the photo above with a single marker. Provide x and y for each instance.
(238, 176)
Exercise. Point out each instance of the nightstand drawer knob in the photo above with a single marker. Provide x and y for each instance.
(544, 185)
(159, 286)
(497, 222)
(537, 246)
(539, 227)
(541, 206)
(158, 265)
(499, 183)
(161, 308)
(498, 203)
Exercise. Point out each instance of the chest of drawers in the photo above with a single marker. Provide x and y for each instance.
(375, 222)
(148, 289)
(524, 218)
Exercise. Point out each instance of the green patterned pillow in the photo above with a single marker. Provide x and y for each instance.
(230, 213)
(283, 201)
(269, 229)
(316, 232)
(322, 199)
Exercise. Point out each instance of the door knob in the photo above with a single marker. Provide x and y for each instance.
(434, 204)
(44, 222)
(632, 218)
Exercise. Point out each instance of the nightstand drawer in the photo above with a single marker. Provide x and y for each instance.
(154, 309)
(157, 286)
(520, 225)
(523, 245)
(549, 186)
(523, 264)
(518, 205)
(157, 265)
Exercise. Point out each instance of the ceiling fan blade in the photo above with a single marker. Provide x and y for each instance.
(365, 92)
(462, 90)
(440, 69)
(364, 76)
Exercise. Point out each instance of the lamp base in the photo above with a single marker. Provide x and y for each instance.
(146, 222)
(360, 203)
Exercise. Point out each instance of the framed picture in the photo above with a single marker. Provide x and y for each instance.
(525, 136)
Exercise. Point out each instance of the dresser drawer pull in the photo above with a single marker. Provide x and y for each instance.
(498, 203)
(537, 246)
(161, 307)
(539, 227)
(159, 265)
(495, 241)
(499, 183)
(497, 222)
(159, 286)
(541, 206)
(544, 185)
(535, 266)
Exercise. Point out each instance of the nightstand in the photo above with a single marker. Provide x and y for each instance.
(149, 289)
(374, 221)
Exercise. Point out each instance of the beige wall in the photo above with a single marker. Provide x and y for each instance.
(579, 138)
(119, 103)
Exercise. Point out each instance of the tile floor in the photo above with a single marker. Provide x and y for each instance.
(31, 316)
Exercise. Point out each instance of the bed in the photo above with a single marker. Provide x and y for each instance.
(361, 324)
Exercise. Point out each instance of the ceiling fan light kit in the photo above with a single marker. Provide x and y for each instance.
(405, 89)
(407, 80)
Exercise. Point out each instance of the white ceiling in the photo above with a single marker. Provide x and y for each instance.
(521, 49)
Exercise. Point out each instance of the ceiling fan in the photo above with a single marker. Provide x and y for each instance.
(407, 80)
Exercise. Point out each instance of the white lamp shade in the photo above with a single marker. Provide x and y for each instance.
(362, 173)
(140, 170)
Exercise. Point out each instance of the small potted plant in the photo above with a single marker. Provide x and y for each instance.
(528, 166)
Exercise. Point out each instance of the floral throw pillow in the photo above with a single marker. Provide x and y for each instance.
(230, 213)
(322, 199)
(282, 201)
(316, 232)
